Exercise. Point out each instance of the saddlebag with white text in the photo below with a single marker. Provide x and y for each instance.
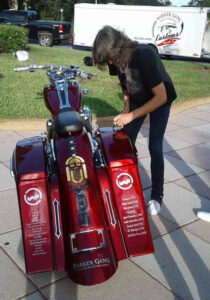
(122, 167)
(29, 169)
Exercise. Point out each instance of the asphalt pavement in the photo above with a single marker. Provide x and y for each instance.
(180, 265)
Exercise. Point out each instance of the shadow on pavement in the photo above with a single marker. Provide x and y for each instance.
(191, 258)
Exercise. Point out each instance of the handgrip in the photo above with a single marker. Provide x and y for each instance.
(18, 69)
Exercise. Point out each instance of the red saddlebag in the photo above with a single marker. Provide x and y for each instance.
(123, 172)
(30, 174)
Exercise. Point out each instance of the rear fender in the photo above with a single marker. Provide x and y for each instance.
(91, 258)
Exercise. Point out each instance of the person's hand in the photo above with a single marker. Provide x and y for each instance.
(123, 119)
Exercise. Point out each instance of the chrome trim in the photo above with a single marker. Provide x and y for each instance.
(62, 90)
(49, 126)
(11, 166)
(96, 152)
(73, 236)
(93, 143)
(52, 149)
(110, 208)
(47, 85)
(85, 91)
(60, 81)
(87, 114)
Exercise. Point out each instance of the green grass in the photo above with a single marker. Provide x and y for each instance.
(21, 92)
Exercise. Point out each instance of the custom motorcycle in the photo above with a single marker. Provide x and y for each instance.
(79, 191)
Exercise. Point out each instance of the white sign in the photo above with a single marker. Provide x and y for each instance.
(33, 196)
(124, 181)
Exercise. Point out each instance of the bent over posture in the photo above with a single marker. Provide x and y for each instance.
(147, 88)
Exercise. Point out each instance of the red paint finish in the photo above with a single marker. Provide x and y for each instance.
(57, 226)
(29, 159)
(170, 41)
(51, 97)
(127, 190)
(91, 258)
(109, 205)
(117, 149)
(97, 213)
(35, 226)
(31, 180)
(131, 210)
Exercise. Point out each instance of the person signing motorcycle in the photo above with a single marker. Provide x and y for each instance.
(147, 89)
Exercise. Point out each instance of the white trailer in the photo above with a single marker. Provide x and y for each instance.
(180, 31)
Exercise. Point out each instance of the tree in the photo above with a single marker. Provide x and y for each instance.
(50, 9)
(199, 3)
(4, 4)
(166, 3)
(20, 4)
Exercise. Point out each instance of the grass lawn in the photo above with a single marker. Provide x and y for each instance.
(21, 92)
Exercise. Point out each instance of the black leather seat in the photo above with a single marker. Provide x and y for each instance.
(69, 120)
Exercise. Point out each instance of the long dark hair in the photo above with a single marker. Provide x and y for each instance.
(114, 45)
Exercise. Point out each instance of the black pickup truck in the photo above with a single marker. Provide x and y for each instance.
(48, 33)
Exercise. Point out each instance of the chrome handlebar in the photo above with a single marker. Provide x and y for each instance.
(72, 71)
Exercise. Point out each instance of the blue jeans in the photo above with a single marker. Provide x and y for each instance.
(158, 123)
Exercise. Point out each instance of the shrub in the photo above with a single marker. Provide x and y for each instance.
(13, 38)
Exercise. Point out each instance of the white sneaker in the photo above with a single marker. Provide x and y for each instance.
(203, 215)
(153, 207)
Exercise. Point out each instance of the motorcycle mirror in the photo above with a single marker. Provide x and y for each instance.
(88, 61)
(21, 55)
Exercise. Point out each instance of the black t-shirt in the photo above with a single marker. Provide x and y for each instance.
(145, 71)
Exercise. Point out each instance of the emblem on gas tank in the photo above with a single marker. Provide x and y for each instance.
(124, 181)
(33, 196)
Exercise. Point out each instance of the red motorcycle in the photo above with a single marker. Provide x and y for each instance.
(79, 191)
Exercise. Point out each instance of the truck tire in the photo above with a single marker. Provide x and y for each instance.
(45, 39)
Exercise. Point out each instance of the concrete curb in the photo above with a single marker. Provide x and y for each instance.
(39, 124)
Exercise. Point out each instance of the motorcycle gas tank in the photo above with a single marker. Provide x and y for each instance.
(91, 258)
(51, 97)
